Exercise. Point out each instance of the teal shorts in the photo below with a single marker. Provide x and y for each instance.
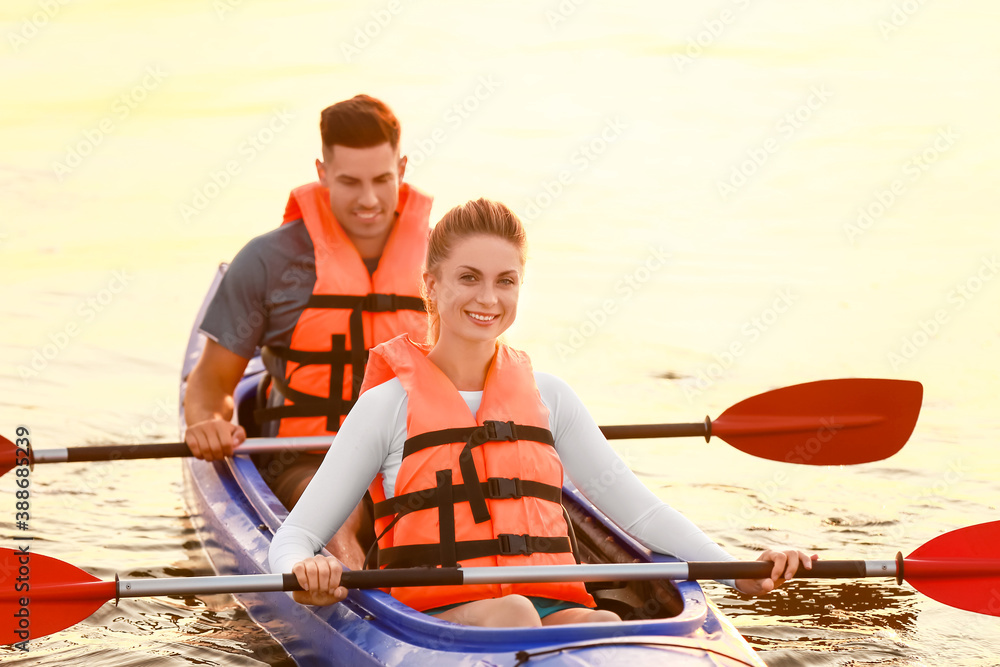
(544, 606)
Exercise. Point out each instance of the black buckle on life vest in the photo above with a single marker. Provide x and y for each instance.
(514, 545)
(496, 431)
(501, 488)
(380, 303)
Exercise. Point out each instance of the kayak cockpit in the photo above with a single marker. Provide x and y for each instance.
(651, 607)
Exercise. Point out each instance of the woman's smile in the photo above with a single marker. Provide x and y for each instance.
(485, 319)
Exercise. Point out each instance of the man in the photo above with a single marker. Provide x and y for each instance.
(339, 276)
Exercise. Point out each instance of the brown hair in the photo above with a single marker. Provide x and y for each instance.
(480, 216)
(360, 122)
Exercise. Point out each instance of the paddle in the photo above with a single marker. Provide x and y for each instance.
(829, 422)
(960, 569)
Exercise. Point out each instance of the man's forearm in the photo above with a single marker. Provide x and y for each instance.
(212, 383)
(206, 399)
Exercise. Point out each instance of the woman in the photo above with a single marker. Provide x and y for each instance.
(467, 407)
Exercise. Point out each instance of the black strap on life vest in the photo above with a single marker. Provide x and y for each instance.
(506, 544)
(446, 519)
(474, 436)
(338, 358)
(494, 488)
(447, 552)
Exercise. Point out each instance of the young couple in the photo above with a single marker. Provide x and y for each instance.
(448, 428)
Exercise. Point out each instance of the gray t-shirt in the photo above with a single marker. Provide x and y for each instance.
(265, 290)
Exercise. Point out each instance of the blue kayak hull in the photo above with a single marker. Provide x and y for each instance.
(236, 516)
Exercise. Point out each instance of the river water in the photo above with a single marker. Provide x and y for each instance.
(722, 198)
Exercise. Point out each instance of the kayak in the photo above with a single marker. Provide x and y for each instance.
(236, 515)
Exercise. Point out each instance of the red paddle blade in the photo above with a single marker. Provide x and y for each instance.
(40, 595)
(10, 456)
(960, 568)
(830, 422)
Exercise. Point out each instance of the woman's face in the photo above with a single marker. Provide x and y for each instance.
(476, 288)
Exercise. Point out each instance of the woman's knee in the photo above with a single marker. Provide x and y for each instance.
(511, 611)
(603, 616)
(516, 611)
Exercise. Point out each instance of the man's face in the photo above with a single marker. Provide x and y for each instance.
(364, 190)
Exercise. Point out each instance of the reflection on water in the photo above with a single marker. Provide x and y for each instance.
(161, 631)
(115, 533)
(840, 605)
(834, 623)
(852, 651)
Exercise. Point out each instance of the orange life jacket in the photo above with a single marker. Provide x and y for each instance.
(509, 512)
(349, 312)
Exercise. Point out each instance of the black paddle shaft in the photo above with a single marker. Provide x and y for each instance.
(177, 449)
(821, 569)
(626, 431)
(117, 452)
(390, 578)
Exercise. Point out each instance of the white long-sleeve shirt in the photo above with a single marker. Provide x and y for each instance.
(371, 441)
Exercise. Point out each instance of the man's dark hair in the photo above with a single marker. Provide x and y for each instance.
(360, 122)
